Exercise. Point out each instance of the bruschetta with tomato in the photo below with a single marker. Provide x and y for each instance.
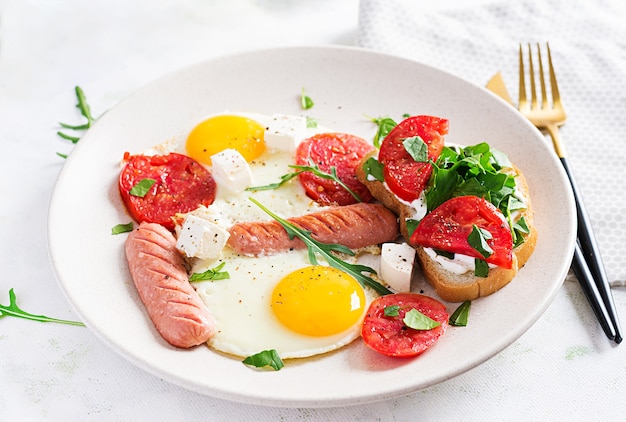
(466, 210)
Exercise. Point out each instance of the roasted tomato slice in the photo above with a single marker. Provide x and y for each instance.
(390, 336)
(448, 226)
(339, 150)
(182, 184)
(404, 176)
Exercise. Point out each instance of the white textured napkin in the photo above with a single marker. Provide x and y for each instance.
(476, 39)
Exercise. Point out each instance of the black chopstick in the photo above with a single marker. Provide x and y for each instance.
(587, 246)
(586, 280)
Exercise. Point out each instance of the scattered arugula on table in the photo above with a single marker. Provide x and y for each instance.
(13, 310)
(313, 168)
(85, 111)
(326, 251)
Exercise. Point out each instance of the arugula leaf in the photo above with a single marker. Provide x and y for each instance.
(14, 311)
(460, 316)
(313, 168)
(326, 251)
(417, 148)
(142, 187)
(374, 168)
(411, 225)
(265, 358)
(212, 274)
(122, 228)
(305, 101)
(85, 111)
(418, 321)
(385, 125)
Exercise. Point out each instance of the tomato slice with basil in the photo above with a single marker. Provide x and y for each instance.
(342, 151)
(390, 336)
(448, 226)
(406, 177)
(181, 185)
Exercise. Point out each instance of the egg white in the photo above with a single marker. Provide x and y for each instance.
(242, 309)
(241, 304)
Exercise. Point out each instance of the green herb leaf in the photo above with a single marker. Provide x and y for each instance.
(417, 148)
(374, 168)
(265, 358)
(418, 321)
(14, 311)
(122, 228)
(311, 122)
(305, 101)
(478, 240)
(62, 155)
(460, 316)
(326, 251)
(142, 187)
(211, 274)
(313, 168)
(85, 111)
(391, 310)
(411, 225)
(385, 125)
(481, 268)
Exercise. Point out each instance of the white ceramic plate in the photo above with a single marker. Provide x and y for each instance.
(346, 84)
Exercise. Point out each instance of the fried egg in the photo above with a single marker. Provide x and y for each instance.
(279, 301)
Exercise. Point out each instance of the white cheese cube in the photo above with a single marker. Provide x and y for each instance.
(285, 132)
(231, 171)
(201, 238)
(396, 265)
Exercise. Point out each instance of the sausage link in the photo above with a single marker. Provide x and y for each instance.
(159, 274)
(354, 226)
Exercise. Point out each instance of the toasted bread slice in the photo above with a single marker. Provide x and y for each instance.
(450, 286)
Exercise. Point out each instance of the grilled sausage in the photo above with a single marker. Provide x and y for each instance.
(355, 226)
(159, 274)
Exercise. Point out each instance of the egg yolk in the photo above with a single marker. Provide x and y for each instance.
(218, 133)
(318, 301)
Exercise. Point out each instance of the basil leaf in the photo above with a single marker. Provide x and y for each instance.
(391, 310)
(460, 316)
(211, 274)
(418, 321)
(305, 101)
(265, 358)
(449, 255)
(122, 228)
(311, 122)
(478, 240)
(417, 148)
(411, 225)
(142, 187)
(481, 268)
(374, 168)
(385, 125)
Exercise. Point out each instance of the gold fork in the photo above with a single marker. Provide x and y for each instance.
(587, 263)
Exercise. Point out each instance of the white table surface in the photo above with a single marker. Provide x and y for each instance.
(562, 368)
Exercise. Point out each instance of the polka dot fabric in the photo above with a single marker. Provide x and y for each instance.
(475, 39)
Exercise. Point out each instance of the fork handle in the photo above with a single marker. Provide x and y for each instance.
(590, 289)
(591, 252)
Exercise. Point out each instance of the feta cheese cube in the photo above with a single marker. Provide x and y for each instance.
(284, 132)
(231, 171)
(201, 238)
(396, 265)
